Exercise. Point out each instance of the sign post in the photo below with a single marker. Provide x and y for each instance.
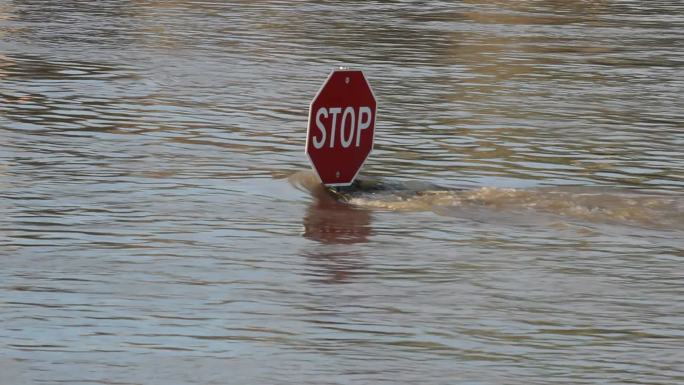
(341, 127)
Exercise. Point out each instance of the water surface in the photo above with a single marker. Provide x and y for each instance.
(160, 224)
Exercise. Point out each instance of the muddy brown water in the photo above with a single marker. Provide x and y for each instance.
(160, 224)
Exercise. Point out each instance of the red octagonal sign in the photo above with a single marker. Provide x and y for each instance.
(341, 127)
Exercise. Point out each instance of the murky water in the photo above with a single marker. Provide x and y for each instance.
(524, 222)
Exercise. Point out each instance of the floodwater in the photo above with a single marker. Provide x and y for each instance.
(161, 225)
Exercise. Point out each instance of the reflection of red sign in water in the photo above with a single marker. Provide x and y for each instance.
(330, 221)
(341, 127)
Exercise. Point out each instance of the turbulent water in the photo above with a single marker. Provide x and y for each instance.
(521, 220)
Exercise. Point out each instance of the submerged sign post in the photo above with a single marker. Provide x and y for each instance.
(341, 127)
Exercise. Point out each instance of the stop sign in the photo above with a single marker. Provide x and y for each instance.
(341, 127)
